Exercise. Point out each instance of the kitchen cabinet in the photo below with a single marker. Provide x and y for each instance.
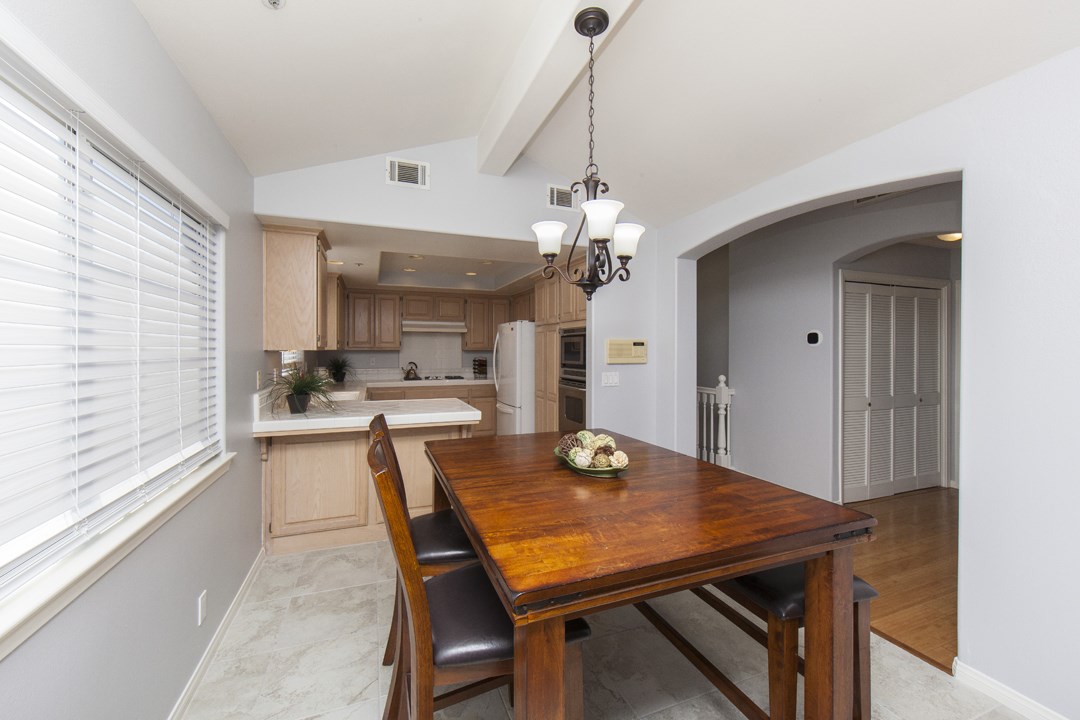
(294, 289)
(444, 308)
(480, 396)
(571, 298)
(483, 315)
(386, 394)
(521, 306)
(547, 378)
(374, 321)
(336, 313)
(546, 300)
(315, 484)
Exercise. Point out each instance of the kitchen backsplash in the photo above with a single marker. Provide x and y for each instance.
(386, 364)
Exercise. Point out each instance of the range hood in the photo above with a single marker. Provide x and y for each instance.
(432, 326)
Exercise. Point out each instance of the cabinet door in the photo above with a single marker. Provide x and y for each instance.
(500, 313)
(294, 276)
(566, 300)
(477, 324)
(418, 307)
(450, 308)
(335, 311)
(387, 322)
(386, 394)
(547, 301)
(315, 484)
(521, 306)
(486, 406)
(361, 321)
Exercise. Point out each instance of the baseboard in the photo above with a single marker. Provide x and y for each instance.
(1003, 694)
(185, 698)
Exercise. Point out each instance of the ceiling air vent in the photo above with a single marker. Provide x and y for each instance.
(407, 172)
(560, 197)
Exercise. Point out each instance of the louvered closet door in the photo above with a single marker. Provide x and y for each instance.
(891, 390)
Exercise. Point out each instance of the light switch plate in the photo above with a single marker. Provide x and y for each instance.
(609, 379)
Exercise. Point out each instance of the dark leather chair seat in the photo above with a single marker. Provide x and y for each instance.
(468, 622)
(439, 539)
(782, 591)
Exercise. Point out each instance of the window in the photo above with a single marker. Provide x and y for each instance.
(108, 335)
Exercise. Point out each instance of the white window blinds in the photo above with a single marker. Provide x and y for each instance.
(108, 350)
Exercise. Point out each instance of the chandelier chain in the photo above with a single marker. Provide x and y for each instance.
(591, 169)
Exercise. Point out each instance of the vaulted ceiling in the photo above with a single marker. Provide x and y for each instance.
(695, 99)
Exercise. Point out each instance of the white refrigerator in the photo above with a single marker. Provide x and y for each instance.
(514, 360)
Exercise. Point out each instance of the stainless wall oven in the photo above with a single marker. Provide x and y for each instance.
(572, 354)
(572, 385)
(571, 405)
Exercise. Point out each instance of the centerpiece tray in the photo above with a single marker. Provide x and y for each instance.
(608, 472)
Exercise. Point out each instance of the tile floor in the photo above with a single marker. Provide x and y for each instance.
(307, 644)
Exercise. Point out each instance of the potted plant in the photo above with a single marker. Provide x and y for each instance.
(298, 388)
(339, 368)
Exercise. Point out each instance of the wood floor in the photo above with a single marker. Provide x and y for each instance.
(912, 564)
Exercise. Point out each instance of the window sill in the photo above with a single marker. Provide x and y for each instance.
(31, 606)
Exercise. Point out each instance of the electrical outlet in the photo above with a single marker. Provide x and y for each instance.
(609, 379)
(201, 610)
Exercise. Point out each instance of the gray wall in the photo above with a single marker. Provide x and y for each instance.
(783, 283)
(712, 317)
(126, 648)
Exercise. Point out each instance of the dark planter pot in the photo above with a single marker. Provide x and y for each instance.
(298, 403)
(338, 376)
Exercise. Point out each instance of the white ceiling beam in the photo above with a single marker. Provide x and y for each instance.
(548, 63)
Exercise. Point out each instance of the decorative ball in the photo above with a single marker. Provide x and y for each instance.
(619, 459)
(600, 460)
(603, 441)
(567, 443)
(581, 457)
(585, 437)
(604, 450)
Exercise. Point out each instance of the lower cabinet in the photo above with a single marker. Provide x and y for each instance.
(481, 397)
(314, 484)
(386, 394)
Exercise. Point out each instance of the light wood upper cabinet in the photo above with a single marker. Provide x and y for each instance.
(571, 298)
(546, 300)
(483, 315)
(294, 289)
(374, 321)
(444, 308)
(336, 312)
(521, 306)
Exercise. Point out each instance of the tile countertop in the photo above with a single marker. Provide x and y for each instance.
(424, 383)
(356, 414)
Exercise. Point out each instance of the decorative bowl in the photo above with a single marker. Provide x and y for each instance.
(608, 472)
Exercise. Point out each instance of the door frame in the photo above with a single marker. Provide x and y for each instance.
(945, 333)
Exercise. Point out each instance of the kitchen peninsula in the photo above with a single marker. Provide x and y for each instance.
(317, 490)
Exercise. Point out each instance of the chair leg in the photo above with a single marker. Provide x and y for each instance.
(392, 641)
(573, 681)
(861, 682)
(396, 698)
(783, 667)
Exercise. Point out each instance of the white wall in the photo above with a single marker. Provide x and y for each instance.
(1016, 143)
(127, 646)
(465, 202)
(783, 283)
(712, 320)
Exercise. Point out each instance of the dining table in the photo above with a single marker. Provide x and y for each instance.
(558, 544)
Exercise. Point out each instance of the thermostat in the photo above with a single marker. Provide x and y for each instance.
(626, 352)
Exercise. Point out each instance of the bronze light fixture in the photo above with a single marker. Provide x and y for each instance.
(599, 215)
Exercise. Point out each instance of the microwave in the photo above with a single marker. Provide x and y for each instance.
(572, 354)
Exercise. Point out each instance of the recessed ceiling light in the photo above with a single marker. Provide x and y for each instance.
(417, 257)
(487, 262)
(359, 264)
(950, 237)
(409, 269)
(335, 262)
(274, 4)
(470, 273)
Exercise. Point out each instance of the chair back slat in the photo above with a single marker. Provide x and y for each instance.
(388, 484)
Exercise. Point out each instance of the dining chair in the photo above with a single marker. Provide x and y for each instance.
(439, 540)
(778, 597)
(453, 627)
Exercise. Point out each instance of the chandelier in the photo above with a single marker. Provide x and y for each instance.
(599, 215)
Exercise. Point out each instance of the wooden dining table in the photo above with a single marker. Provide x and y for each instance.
(557, 545)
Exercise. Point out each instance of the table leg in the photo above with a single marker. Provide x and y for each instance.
(539, 658)
(439, 501)
(829, 635)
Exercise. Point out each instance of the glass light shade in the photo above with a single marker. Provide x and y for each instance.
(601, 215)
(549, 236)
(626, 239)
